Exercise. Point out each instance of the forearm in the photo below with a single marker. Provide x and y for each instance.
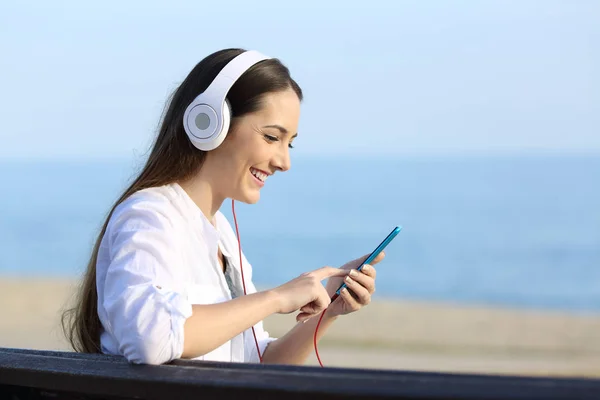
(214, 324)
(295, 346)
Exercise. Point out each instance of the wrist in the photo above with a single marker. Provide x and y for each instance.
(274, 301)
(330, 314)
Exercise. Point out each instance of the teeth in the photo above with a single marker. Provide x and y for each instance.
(260, 175)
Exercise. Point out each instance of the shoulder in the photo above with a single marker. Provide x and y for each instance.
(151, 208)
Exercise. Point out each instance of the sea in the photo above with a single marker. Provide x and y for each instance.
(519, 231)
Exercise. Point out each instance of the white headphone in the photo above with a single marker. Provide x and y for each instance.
(206, 120)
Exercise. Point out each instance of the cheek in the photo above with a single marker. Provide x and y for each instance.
(233, 151)
(255, 151)
(239, 142)
(244, 150)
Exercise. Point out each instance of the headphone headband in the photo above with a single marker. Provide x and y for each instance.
(206, 120)
(220, 86)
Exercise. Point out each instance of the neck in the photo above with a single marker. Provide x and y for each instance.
(202, 192)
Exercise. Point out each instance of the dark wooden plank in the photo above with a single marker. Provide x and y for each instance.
(112, 377)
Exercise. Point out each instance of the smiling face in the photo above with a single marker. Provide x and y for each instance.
(257, 145)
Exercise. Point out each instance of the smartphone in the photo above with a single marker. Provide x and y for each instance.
(374, 254)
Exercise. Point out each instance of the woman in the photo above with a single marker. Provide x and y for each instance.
(166, 278)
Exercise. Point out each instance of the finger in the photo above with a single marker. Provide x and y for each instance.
(364, 280)
(350, 301)
(369, 270)
(326, 272)
(303, 317)
(321, 302)
(318, 304)
(310, 308)
(359, 261)
(362, 294)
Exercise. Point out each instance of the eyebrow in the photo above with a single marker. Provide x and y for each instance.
(281, 129)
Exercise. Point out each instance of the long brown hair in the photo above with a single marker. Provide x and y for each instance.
(173, 158)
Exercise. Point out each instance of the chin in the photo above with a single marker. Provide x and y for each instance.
(248, 198)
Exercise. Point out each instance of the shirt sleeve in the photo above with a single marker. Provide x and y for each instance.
(146, 311)
(263, 338)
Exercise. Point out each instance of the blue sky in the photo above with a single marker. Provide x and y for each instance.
(82, 79)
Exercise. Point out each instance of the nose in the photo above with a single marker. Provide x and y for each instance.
(282, 160)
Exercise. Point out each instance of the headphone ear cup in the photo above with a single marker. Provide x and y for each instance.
(200, 122)
(226, 120)
(201, 125)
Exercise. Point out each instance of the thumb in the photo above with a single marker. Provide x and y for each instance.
(379, 257)
(356, 263)
(326, 272)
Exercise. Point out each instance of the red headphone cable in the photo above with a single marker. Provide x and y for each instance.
(335, 296)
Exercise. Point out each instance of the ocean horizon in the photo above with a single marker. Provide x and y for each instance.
(518, 231)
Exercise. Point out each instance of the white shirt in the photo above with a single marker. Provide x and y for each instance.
(158, 256)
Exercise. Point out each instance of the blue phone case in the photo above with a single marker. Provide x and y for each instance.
(375, 252)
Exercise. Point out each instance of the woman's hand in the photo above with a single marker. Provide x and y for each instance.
(360, 286)
(306, 292)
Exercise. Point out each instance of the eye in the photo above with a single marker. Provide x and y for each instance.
(270, 138)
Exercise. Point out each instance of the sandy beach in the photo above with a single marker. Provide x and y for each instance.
(388, 334)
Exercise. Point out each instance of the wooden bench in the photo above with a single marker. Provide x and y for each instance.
(35, 374)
